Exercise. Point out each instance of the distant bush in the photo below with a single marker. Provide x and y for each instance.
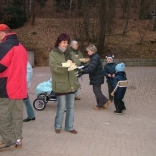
(14, 17)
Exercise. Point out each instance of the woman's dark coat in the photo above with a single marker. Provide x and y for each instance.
(95, 70)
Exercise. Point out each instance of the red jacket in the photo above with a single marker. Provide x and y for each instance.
(13, 68)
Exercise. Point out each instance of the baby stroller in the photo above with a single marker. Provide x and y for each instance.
(44, 94)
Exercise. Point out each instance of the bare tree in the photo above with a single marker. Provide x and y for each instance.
(102, 26)
(85, 11)
(142, 10)
(33, 12)
(70, 5)
(125, 8)
(127, 18)
(134, 4)
(154, 28)
(111, 14)
(24, 5)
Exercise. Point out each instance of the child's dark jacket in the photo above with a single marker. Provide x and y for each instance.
(120, 92)
(109, 68)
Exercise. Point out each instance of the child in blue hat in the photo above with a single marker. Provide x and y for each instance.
(119, 88)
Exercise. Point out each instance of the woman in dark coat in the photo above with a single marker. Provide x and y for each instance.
(95, 71)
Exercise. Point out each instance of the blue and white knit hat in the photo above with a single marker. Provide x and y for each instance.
(120, 67)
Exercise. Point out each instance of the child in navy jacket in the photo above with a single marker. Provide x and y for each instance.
(109, 72)
(119, 88)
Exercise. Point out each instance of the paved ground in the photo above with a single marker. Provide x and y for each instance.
(100, 133)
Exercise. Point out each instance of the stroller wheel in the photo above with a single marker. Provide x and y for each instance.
(39, 104)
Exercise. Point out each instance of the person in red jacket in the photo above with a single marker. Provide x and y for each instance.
(13, 87)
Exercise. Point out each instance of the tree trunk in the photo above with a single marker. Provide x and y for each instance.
(142, 10)
(127, 19)
(113, 7)
(33, 12)
(111, 14)
(125, 6)
(102, 26)
(70, 10)
(24, 6)
(134, 3)
(154, 28)
(85, 11)
(28, 8)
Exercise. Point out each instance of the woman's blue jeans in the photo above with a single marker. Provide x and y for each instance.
(76, 93)
(65, 102)
(29, 109)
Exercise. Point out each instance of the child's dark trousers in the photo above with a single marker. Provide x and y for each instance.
(110, 86)
(119, 105)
